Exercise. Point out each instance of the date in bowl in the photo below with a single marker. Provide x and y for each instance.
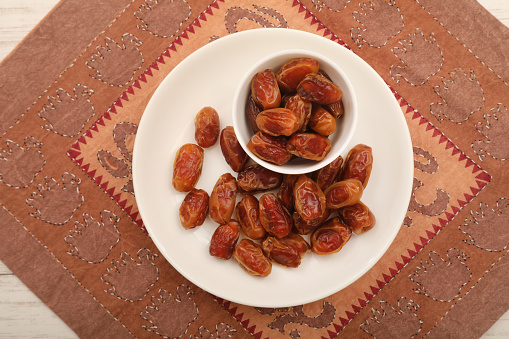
(345, 124)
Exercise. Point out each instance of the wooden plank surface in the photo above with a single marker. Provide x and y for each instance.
(22, 314)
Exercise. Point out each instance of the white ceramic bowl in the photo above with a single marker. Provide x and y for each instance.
(345, 125)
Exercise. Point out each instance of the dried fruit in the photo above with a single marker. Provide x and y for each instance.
(224, 239)
(206, 127)
(287, 251)
(343, 193)
(303, 227)
(252, 111)
(302, 108)
(330, 237)
(248, 215)
(309, 200)
(358, 217)
(194, 208)
(251, 258)
(285, 193)
(269, 148)
(319, 89)
(265, 89)
(222, 199)
(278, 121)
(187, 167)
(274, 217)
(358, 164)
(310, 146)
(336, 109)
(325, 176)
(256, 178)
(232, 151)
(293, 71)
(321, 121)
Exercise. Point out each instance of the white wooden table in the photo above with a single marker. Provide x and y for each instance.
(22, 314)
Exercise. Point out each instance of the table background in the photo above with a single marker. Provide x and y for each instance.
(17, 303)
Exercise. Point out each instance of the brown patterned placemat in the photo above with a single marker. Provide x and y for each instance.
(70, 226)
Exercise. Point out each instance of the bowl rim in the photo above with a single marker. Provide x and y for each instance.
(313, 165)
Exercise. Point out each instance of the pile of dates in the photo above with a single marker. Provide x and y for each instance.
(275, 213)
(293, 111)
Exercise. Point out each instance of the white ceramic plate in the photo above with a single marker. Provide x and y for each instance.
(209, 77)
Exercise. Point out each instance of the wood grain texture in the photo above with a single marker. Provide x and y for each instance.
(22, 314)
(17, 18)
(499, 8)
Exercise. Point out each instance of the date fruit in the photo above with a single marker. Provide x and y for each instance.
(251, 258)
(248, 216)
(194, 208)
(256, 178)
(233, 153)
(319, 89)
(206, 127)
(336, 109)
(303, 227)
(343, 193)
(287, 251)
(265, 89)
(330, 237)
(269, 148)
(274, 217)
(321, 121)
(358, 164)
(224, 239)
(252, 111)
(293, 71)
(187, 167)
(285, 193)
(326, 175)
(310, 146)
(222, 199)
(358, 217)
(324, 74)
(301, 108)
(309, 200)
(278, 121)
